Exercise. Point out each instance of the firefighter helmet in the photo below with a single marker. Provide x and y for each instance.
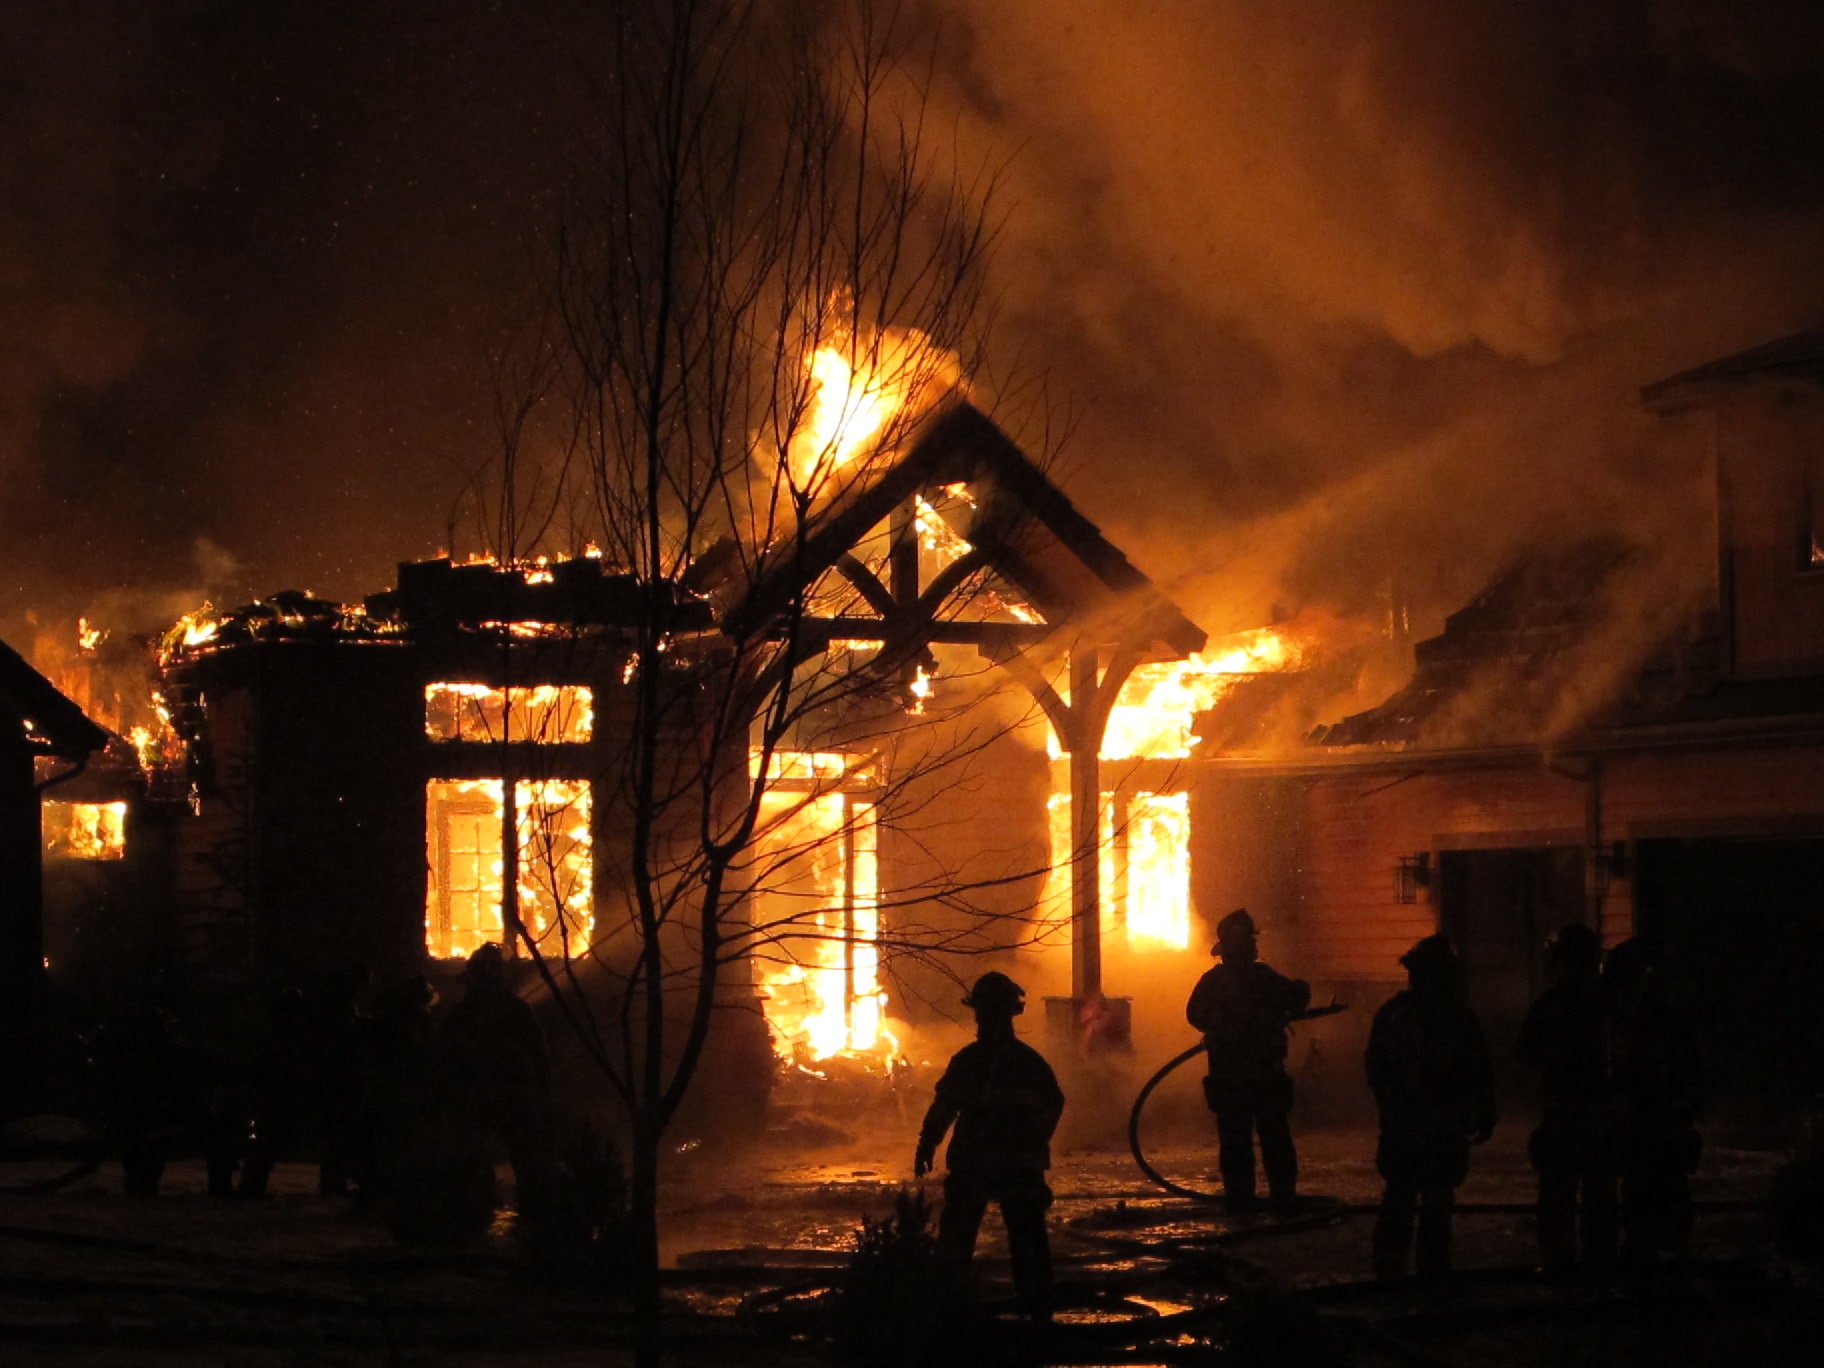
(1233, 930)
(995, 992)
(488, 962)
(1432, 959)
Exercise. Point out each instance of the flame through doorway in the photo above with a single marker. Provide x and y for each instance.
(816, 905)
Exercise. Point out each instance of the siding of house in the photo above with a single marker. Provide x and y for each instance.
(1766, 437)
(1356, 826)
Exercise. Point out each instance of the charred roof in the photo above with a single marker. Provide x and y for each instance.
(1551, 650)
(45, 720)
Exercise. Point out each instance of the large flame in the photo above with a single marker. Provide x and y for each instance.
(1155, 713)
(1143, 837)
(857, 393)
(821, 904)
(1143, 859)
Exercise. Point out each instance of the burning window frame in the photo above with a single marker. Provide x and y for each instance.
(842, 938)
(562, 908)
(1152, 911)
(84, 831)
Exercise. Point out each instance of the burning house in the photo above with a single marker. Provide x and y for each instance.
(1601, 736)
(394, 784)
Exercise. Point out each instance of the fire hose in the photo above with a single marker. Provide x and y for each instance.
(1133, 1130)
(1146, 1090)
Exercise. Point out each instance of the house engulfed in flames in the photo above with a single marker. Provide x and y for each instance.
(332, 784)
(394, 784)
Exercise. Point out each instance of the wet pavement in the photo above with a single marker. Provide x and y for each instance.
(91, 1277)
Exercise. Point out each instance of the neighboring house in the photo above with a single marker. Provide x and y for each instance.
(1590, 741)
(39, 727)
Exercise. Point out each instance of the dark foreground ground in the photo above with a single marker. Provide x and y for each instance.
(91, 1277)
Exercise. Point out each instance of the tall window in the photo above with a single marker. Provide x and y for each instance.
(466, 828)
(1811, 511)
(1143, 865)
(85, 831)
(817, 894)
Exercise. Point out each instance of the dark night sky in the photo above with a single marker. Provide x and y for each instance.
(1323, 289)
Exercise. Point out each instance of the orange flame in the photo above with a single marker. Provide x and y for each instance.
(821, 905)
(857, 393)
(1155, 712)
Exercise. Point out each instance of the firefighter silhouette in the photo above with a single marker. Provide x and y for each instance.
(1429, 1070)
(1654, 1066)
(1575, 1149)
(1005, 1102)
(1242, 1007)
(493, 1064)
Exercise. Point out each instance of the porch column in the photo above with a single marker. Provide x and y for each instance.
(1085, 743)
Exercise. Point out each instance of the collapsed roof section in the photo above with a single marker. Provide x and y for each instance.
(1013, 525)
(1570, 648)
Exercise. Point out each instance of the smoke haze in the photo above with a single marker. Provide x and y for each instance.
(1340, 301)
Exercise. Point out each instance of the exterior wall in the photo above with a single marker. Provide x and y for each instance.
(21, 928)
(307, 851)
(1767, 438)
(1355, 826)
(1358, 826)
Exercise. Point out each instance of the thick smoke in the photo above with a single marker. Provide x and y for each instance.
(1344, 304)
(1358, 302)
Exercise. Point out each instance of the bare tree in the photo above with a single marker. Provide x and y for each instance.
(760, 299)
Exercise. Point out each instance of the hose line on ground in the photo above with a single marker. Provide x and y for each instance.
(1133, 1131)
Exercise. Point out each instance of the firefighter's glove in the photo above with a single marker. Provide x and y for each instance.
(1480, 1135)
(921, 1163)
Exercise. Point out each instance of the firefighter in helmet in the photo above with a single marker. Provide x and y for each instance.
(1429, 1070)
(1576, 1148)
(1004, 1102)
(1242, 1007)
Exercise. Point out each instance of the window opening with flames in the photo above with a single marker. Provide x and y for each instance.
(545, 714)
(1144, 835)
(465, 827)
(85, 831)
(818, 906)
(1144, 866)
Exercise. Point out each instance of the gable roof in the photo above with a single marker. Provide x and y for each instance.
(1025, 528)
(48, 722)
(1797, 357)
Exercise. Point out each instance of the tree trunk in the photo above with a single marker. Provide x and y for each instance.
(643, 1200)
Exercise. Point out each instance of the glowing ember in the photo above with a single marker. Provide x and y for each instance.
(921, 689)
(935, 535)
